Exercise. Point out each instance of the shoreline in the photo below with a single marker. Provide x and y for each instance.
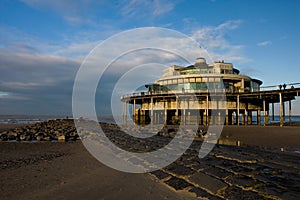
(270, 136)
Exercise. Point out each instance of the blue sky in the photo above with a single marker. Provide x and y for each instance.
(43, 43)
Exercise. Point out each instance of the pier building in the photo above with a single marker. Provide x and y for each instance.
(195, 94)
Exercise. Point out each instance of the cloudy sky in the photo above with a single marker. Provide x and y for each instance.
(43, 43)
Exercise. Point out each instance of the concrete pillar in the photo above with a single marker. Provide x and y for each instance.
(125, 112)
(258, 117)
(151, 111)
(264, 109)
(133, 111)
(176, 107)
(281, 110)
(283, 106)
(188, 121)
(238, 110)
(226, 119)
(290, 112)
(249, 117)
(203, 117)
(165, 113)
(244, 117)
(207, 108)
(273, 115)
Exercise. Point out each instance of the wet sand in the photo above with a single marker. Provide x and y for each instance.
(264, 136)
(45, 170)
(53, 170)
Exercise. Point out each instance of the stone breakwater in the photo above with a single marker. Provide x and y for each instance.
(52, 130)
(228, 172)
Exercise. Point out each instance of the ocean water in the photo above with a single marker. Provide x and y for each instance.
(27, 119)
(276, 119)
(31, 119)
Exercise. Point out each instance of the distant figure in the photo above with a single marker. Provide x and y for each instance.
(284, 86)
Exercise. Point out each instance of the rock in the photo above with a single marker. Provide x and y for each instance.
(12, 135)
(40, 137)
(3, 137)
(47, 138)
(61, 138)
(22, 137)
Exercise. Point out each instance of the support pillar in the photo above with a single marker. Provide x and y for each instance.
(266, 113)
(290, 112)
(226, 119)
(258, 117)
(273, 115)
(207, 107)
(125, 112)
(244, 117)
(238, 110)
(151, 111)
(176, 114)
(165, 113)
(133, 111)
(249, 118)
(281, 110)
(188, 121)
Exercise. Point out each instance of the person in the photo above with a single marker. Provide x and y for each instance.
(284, 86)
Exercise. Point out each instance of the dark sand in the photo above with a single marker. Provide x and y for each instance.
(53, 170)
(45, 170)
(4, 127)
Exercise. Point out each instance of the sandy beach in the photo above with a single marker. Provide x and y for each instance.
(65, 170)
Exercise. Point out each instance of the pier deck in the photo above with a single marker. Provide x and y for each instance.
(164, 106)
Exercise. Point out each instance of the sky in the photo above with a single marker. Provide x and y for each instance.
(43, 43)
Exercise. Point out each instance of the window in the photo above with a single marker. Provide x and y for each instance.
(192, 80)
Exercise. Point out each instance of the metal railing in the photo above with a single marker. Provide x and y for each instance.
(193, 91)
(283, 86)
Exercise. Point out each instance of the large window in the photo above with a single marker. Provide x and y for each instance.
(226, 71)
(255, 87)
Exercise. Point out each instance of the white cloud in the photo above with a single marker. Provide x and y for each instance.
(213, 39)
(3, 94)
(79, 12)
(264, 43)
(74, 12)
(135, 8)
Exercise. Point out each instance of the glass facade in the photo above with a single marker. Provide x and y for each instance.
(183, 79)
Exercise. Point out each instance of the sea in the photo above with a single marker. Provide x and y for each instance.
(31, 119)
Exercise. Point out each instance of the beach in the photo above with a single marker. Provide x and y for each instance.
(265, 166)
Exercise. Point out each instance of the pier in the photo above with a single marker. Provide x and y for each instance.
(206, 94)
(240, 109)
